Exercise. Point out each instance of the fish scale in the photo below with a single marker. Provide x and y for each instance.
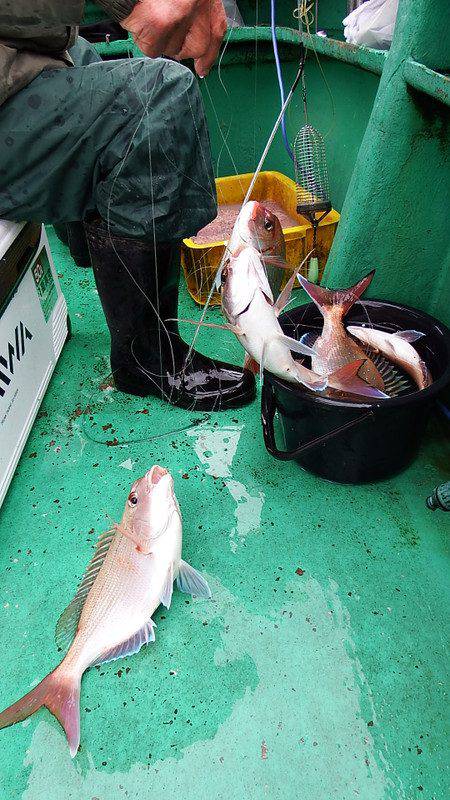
(334, 347)
(396, 381)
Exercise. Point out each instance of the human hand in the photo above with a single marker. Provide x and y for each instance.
(179, 29)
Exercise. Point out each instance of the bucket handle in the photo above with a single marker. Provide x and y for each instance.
(268, 408)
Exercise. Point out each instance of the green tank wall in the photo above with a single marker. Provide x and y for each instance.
(386, 143)
(329, 17)
(242, 101)
(396, 211)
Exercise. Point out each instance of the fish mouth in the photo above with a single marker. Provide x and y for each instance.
(155, 474)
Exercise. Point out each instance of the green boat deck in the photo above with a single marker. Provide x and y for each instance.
(317, 671)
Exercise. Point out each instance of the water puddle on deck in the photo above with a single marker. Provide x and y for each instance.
(216, 449)
(298, 729)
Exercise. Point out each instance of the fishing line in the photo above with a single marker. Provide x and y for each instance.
(256, 78)
(145, 105)
(224, 138)
(145, 118)
(230, 105)
(303, 15)
(201, 420)
(247, 196)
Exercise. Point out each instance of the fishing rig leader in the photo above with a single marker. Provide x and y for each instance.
(258, 169)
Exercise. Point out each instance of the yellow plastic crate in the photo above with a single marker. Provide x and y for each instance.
(200, 261)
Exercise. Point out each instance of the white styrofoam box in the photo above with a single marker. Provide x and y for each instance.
(33, 329)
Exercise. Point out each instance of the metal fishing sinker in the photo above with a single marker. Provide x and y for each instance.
(356, 442)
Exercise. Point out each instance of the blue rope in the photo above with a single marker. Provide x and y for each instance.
(280, 77)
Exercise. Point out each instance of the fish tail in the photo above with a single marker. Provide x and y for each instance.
(346, 379)
(60, 693)
(340, 298)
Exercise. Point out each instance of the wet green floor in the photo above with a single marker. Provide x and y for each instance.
(317, 672)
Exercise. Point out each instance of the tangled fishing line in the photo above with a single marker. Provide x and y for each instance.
(303, 13)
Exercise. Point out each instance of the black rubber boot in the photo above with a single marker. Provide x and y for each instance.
(138, 293)
(72, 234)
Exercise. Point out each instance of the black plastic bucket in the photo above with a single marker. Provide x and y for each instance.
(355, 442)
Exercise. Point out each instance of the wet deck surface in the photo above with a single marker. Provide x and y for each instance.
(318, 671)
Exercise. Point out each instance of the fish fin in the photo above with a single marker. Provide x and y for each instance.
(343, 298)
(395, 381)
(251, 364)
(166, 594)
(296, 346)
(261, 364)
(130, 646)
(191, 582)
(224, 263)
(317, 383)
(67, 623)
(309, 339)
(409, 336)
(218, 279)
(284, 297)
(275, 261)
(427, 378)
(60, 693)
(346, 379)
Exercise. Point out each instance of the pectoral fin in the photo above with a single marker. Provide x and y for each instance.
(284, 297)
(297, 347)
(191, 582)
(409, 336)
(166, 594)
(270, 260)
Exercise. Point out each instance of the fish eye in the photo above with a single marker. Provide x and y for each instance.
(132, 499)
(268, 224)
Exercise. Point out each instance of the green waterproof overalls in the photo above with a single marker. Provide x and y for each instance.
(125, 138)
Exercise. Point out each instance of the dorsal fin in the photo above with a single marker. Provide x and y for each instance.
(67, 624)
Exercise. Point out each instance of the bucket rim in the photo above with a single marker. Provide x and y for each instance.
(418, 396)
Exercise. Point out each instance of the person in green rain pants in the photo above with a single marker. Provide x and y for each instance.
(118, 151)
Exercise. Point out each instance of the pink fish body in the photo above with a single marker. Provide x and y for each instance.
(258, 227)
(397, 348)
(129, 576)
(252, 315)
(334, 348)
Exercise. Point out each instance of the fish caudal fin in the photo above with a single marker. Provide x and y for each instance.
(342, 298)
(346, 379)
(60, 693)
